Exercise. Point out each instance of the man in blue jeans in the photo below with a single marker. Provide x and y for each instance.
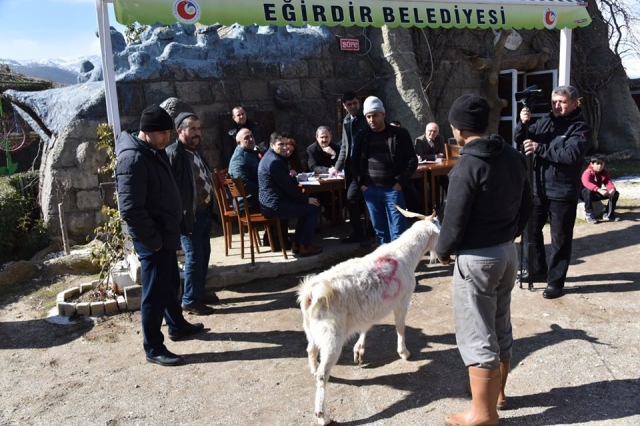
(383, 165)
(196, 189)
(149, 202)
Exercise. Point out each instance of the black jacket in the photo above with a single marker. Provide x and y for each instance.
(489, 199)
(276, 184)
(350, 129)
(563, 143)
(183, 173)
(425, 151)
(402, 154)
(318, 160)
(148, 197)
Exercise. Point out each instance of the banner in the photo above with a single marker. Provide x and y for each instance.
(500, 14)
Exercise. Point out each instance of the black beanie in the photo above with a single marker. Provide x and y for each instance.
(155, 119)
(470, 112)
(183, 116)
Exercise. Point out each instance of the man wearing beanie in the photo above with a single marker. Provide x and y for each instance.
(384, 161)
(558, 143)
(193, 177)
(149, 202)
(488, 206)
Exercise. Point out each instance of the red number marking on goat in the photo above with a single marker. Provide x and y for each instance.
(387, 268)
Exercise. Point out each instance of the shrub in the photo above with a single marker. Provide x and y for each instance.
(22, 231)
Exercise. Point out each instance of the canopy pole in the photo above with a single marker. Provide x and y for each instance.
(108, 72)
(564, 68)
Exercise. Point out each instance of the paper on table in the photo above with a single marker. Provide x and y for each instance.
(310, 182)
(427, 162)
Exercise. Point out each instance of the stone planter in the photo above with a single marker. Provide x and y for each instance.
(95, 309)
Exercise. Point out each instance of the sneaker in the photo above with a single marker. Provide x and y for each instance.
(198, 309)
(611, 218)
(590, 219)
(188, 330)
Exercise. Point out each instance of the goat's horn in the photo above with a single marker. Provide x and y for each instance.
(407, 213)
(433, 215)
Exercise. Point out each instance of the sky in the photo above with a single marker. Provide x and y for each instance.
(65, 29)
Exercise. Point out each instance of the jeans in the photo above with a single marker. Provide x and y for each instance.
(482, 283)
(306, 214)
(562, 218)
(590, 196)
(160, 284)
(388, 223)
(197, 250)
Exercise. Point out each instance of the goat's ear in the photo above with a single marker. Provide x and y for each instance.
(407, 213)
(433, 216)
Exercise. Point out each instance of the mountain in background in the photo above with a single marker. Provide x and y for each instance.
(57, 70)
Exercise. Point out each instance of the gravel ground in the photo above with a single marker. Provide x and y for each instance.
(576, 359)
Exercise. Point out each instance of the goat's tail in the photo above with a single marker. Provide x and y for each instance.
(315, 293)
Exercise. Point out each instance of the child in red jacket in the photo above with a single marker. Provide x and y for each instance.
(597, 185)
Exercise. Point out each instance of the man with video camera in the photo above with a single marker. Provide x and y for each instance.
(558, 143)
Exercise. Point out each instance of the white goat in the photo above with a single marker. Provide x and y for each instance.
(350, 297)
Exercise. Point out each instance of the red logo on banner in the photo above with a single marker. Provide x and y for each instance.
(350, 44)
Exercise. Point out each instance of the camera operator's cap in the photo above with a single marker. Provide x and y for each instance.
(372, 104)
(183, 116)
(155, 119)
(470, 112)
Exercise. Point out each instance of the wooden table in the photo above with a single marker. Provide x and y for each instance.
(428, 172)
(335, 187)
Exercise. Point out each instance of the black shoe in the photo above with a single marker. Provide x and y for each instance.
(198, 309)
(351, 239)
(539, 277)
(210, 299)
(552, 292)
(166, 359)
(187, 331)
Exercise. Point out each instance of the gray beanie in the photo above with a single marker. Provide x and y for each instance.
(372, 104)
(183, 116)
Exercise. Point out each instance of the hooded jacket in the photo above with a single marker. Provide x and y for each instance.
(594, 181)
(562, 144)
(148, 196)
(489, 201)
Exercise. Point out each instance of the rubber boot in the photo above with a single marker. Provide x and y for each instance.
(485, 387)
(504, 372)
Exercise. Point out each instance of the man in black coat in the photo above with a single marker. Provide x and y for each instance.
(322, 154)
(150, 205)
(354, 123)
(193, 177)
(239, 117)
(558, 143)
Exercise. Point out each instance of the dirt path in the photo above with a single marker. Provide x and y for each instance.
(576, 359)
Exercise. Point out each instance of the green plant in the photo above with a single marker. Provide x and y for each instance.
(106, 255)
(22, 231)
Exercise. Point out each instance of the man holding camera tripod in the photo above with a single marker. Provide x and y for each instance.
(558, 143)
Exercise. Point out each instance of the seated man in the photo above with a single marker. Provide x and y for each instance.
(597, 185)
(281, 197)
(322, 156)
(429, 146)
(244, 165)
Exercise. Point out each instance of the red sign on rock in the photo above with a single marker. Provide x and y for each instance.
(350, 44)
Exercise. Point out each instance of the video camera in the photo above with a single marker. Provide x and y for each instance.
(528, 96)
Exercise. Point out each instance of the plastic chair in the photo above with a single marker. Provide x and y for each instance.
(227, 214)
(252, 221)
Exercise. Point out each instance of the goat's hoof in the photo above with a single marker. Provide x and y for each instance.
(357, 358)
(322, 419)
(405, 355)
